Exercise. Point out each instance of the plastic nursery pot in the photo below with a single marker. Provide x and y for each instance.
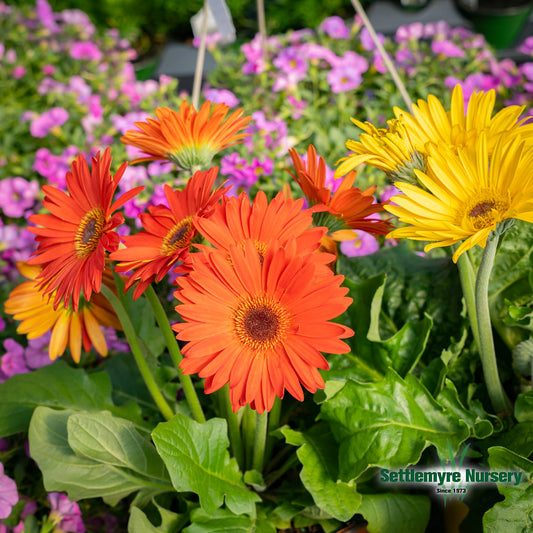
(500, 21)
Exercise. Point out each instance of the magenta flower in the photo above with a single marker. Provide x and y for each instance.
(367, 42)
(364, 244)
(13, 361)
(75, 17)
(335, 28)
(8, 494)
(86, 51)
(48, 69)
(221, 96)
(292, 66)
(19, 71)
(36, 353)
(45, 15)
(344, 78)
(313, 51)
(65, 514)
(253, 53)
(447, 48)
(16, 244)
(409, 32)
(52, 118)
(17, 195)
(527, 46)
(437, 29)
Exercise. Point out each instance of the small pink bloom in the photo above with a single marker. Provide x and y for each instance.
(86, 51)
(19, 71)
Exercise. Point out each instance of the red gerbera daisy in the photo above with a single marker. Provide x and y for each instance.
(235, 220)
(168, 231)
(188, 138)
(260, 325)
(73, 239)
(349, 206)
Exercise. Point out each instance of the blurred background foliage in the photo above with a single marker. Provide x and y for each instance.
(149, 24)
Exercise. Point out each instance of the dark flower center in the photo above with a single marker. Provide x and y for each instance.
(261, 324)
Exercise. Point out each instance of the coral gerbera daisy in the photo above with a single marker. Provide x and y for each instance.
(467, 194)
(260, 325)
(235, 220)
(27, 303)
(74, 238)
(348, 207)
(168, 231)
(188, 138)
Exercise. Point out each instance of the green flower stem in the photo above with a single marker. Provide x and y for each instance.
(233, 427)
(147, 376)
(499, 400)
(175, 354)
(261, 425)
(273, 424)
(467, 277)
(291, 462)
(248, 435)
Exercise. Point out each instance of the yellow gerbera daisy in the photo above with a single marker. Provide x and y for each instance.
(467, 193)
(37, 315)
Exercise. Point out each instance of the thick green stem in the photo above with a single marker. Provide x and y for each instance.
(233, 427)
(467, 277)
(175, 354)
(497, 395)
(261, 425)
(248, 436)
(131, 336)
(273, 424)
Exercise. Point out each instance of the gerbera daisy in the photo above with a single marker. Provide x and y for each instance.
(431, 123)
(73, 239)
(188, 138)
(168, 231)
(467, 194)
(389, 149)
(348, 207)
(260, 325)
(27, 303)
(235, 220)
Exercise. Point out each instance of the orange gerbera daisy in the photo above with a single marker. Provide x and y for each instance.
(73, 239)
(188, 138)
(260, 325)
(168, 231)
(348, 207)
(27, 303)
(235, 220)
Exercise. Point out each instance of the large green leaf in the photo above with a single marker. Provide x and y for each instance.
(197, 458)
(58, 386)
(515, 513)
(371, 355)
(167, 521)
(115, 442)
(65, 471)
(401, 513)
(389, 423)
(523, 409)
(224, 521)
(319, 456)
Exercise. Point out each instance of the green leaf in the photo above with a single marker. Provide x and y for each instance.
(371, 355)
(167, 521)
(58, 386)
(480, 428)
(515, 513)
(64, 471)
(115, 442)
(401, 513)
(219, 521)
(389, 424)
(319, 474)
(197, 458)
(523, 408)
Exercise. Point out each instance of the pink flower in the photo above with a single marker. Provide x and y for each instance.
(447, 48)
(66, 513)
(364, 244)
(48, 69)
(86, 51)
(19, 71)
(335, 28)
(367, 42)
(13, 361)
(221, 96)
(527, 46)
(45, 15)
(17, 195)
(41, 125)
(8, 494)
(409, 32)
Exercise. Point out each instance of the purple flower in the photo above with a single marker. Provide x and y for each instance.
(86, 51)
(434, 29)
(13, 361)
(211, 40)
(447, 48)
(8, 494)
(364, 244)
(52, 118)
(297, 106)
(313, 51)
(19, 71)
(409, 32)
(335, 28)
(293, 67)
(17, 195)
(343, 79)
(389, 192)
(253, 53)
(527, 46)
(75, 17)
(45, 15)
(54, 167)
(16, 244)
(367, 42)
(221, 96)
(11, 56)
(36, 353)
(296, 36)
(65, 513)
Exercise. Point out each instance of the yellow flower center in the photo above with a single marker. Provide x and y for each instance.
(90, 232)
(178, 237)
(260, 322)
(486, 210)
